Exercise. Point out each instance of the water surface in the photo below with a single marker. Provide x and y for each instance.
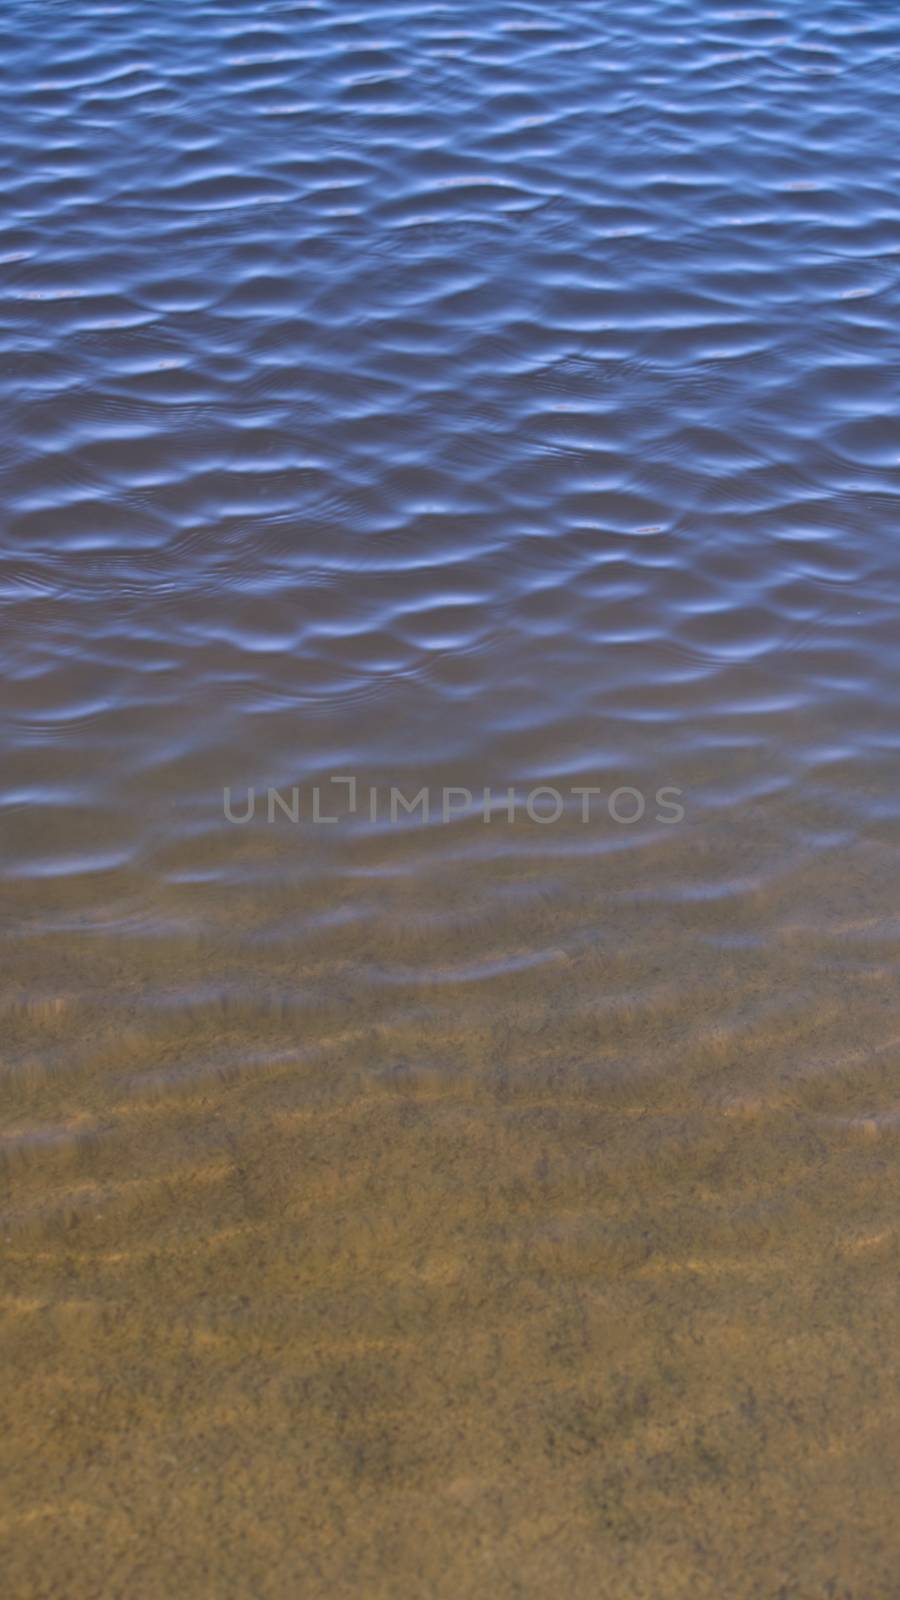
(452, 396)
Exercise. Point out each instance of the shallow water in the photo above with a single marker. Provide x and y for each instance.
(450, 397)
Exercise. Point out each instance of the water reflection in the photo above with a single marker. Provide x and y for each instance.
(475, 399)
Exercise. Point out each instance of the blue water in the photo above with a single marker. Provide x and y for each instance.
(491, 1193)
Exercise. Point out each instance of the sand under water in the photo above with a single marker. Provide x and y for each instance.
(450, 397)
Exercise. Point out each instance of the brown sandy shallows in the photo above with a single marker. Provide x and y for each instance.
(501, 1291)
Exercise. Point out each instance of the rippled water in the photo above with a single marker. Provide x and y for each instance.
(450, 396)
